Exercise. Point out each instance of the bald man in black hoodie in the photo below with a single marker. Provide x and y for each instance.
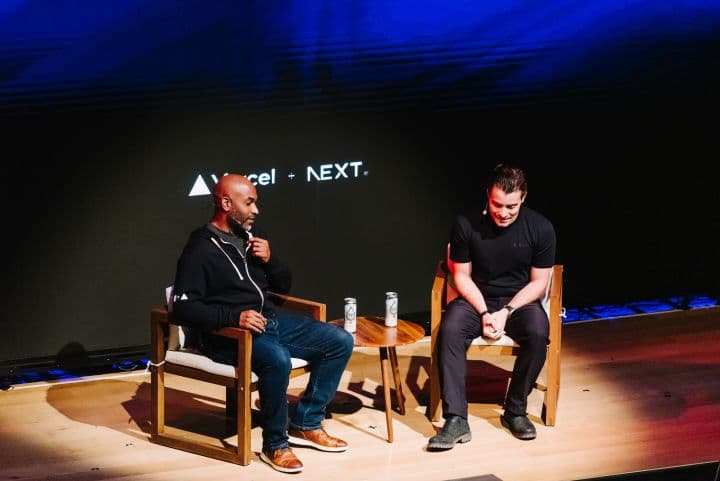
(223, 279)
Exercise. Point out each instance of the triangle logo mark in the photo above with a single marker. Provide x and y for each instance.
(199, 187)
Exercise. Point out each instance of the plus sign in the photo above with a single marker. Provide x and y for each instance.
(291, 176)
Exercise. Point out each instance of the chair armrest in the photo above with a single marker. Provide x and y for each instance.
(232, 332)
(316, 310)
(160, 318)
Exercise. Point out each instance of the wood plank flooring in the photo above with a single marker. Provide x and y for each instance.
(636, 393)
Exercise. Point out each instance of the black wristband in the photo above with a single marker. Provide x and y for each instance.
(483, 314)
(509, 308)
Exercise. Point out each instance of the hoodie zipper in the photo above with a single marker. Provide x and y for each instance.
(247, 271)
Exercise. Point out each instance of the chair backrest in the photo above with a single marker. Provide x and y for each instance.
(176, 334)
(169, 298)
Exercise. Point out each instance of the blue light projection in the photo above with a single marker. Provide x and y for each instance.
(592, 313)
(350, 54)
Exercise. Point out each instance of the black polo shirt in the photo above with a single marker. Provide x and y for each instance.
(502, 256)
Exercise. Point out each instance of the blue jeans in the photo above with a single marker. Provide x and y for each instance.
(326, 347)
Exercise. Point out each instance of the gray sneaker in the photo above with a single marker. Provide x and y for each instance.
(455, 430)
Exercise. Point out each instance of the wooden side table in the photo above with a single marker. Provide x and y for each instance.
(372, 332)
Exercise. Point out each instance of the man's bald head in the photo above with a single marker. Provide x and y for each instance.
(235, 200)
(231, 184)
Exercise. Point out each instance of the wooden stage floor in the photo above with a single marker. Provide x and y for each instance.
(636, 393)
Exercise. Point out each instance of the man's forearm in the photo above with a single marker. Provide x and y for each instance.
(530, 293)
(470, 292)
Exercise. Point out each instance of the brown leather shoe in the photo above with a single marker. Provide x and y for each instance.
(283, 460)
(318, 439)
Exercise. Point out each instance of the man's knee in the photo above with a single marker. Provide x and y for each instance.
(337, 342)
(345, 341)
(535, 341)
(278, 360)
(457, 321)
(450, 331)
(534, 329)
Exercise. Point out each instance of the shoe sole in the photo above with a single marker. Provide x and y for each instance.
(524, 437)
(465, 438)
(304, 442)
(279, 468)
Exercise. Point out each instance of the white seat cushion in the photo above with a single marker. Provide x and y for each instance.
(190, 358)
(503, 341)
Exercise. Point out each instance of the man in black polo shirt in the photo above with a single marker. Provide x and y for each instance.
(502, 259)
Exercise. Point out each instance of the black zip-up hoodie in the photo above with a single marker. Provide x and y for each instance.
(215, 281)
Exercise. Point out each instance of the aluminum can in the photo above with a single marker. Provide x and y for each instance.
(391, 309)
(350, 324)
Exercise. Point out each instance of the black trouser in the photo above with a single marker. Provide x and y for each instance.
(460, 324)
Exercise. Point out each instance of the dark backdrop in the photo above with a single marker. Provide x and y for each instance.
(619, 153)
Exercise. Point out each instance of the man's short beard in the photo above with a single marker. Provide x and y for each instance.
(234, 222)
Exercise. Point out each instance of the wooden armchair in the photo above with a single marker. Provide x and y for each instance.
(168, 355)
(443, 292)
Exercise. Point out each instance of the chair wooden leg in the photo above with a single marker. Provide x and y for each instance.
(157, 403)
(157, 377)
(553, 388)
(434, 407)
(243, 388)
(554, 348)
(244, 424)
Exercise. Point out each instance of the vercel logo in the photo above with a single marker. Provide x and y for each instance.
(326, 172)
